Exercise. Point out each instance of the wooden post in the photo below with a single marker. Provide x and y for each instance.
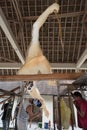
(70, 106)
(59, 111)
(53, 113)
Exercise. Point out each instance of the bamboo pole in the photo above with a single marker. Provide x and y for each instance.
(5, 100)
(10, 91)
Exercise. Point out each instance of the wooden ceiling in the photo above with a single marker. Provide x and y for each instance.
(16, 20)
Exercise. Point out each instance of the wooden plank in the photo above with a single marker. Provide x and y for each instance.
(56, 76)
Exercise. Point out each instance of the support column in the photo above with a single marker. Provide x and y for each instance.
(59, 111)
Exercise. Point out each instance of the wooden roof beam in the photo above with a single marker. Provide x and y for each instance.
(8, 32)
(81, 59)
(55, 76)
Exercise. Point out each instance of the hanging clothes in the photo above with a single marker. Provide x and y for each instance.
(65, 114)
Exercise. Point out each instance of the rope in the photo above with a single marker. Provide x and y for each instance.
(60, 28)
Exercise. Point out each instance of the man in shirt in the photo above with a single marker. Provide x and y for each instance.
(25, 113)
(81, 105)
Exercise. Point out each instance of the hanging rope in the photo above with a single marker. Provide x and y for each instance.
(60, 28)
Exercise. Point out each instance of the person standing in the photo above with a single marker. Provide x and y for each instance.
(25, 113)
(81, 106)
(22, 116)
(22, 119)
(7, 109)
